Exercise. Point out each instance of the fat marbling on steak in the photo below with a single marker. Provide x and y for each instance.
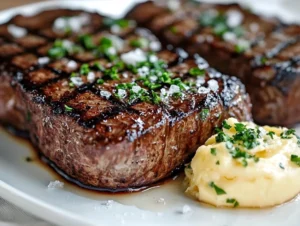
(263, 52)
(105, 102)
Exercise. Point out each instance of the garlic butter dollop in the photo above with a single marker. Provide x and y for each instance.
(246, 165)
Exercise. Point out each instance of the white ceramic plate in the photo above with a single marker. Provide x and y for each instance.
(25, 184)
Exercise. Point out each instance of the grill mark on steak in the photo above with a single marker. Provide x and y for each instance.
(104, 141)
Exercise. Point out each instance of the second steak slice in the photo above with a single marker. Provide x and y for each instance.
(262, 52)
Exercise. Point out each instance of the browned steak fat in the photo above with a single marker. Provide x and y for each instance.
(261, 51)
(103, 99)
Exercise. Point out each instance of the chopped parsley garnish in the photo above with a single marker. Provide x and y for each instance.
(288, 134)
(84, 69)
(263, 60)
(218, 162)
(68, 109)
(222, 137)
(213, 151)
(60, 49)
(87, 42)
(237, 153)
(173, 29)
(218, 190)
(122, 23)
(295, 159)
(112, 73)
(195, 71)
(139, 43)
(218, 23)
(98, 66)
(240, 48)
(226, 125)
(100, 81)
(271, 134)
(233, 201)
(204, 114)
(246, 137)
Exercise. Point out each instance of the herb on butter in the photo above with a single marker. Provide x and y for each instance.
(288, 134)
(218, 190)
(218, 162)
(226, 125)
(295, 159)
(233, 201)
(213, 151)
(271, 134)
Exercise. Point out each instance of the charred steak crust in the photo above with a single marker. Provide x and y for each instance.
(102, 122)
(263, 52)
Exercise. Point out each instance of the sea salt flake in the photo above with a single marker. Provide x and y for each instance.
(122, 93)
(213, 85)
(134, 57)
(174, 89)
(234, 18)
(136, 89)
(91, 77)
(77, 81)
(155, 46)
(16, 31)
(186, 209)
(203, 90)
(72, 64)
(105, 94)
(43, 60)
(55, 184)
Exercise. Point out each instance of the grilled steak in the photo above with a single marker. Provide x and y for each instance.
(262, 52)
(105, 102)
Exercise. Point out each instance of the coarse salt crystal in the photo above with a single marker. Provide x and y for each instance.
(213, 85)
(77, 81)
(72, 64)
(134, 57)
(122, 93)
(230, 37)
(91, 76)
(105, 94)
(117, 42)
(153, 78)
(155, 46)
(55, 184)
(74, 23)
(67, 44)
(153, 58)
(203, 90)
(174, 89)
(43, 60)
(143, 71)
(136, 89)
(16, 32)
(173, 5)
(186, 209)
(162, 201)
(112, 51)
(234, 18)
(116, 29)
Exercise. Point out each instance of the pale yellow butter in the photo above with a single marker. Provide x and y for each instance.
(272, 180)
